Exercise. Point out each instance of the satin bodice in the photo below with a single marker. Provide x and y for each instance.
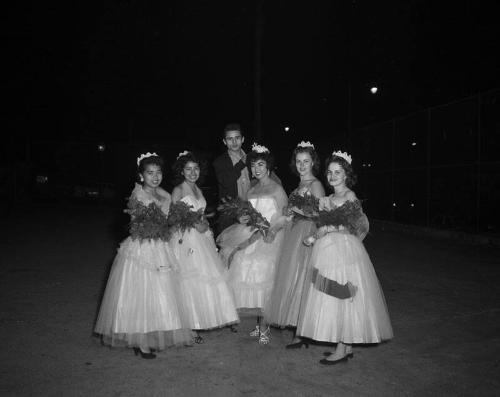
(305, 189)
(266, 206)
(197, 204)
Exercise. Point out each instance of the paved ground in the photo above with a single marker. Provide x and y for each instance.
(443, 298)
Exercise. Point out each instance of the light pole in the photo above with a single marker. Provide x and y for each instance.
(349, 114)
(373, 91)
(259, 22)
(101, 147)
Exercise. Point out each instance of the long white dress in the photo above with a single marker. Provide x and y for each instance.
(141, 306)
(204, 290)
(251, 271)
(339, 257)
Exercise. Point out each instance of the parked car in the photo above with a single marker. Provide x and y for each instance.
(49, 187)
(94, 192)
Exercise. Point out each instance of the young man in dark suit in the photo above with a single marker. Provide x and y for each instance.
(231, 172)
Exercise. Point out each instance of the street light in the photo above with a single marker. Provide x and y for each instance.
(373, 90)
(101, 147)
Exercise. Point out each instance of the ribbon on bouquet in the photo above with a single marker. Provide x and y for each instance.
(256, 235)
(332, 287)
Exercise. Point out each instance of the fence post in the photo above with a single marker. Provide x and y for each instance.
(428, 170)
(478, 164)
(257, 73)
(393, 166)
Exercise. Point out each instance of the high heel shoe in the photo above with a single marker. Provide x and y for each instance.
(198, 339)
(298, 345)
(149, 355)
(265, 337)
(344, 359)
(328, 354)
(256, 331)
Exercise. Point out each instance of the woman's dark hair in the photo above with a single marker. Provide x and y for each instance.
(154, 160)
(314, 157)
(350, 176)
(181, 162)
(252, 157)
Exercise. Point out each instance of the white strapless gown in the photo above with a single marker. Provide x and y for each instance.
(141, 306)
(251, 272)
(363, 319)
(203, 287)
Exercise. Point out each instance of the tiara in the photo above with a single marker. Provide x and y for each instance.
(305, 144)
(259, 148)
(184, 153)
(344, 155)
(145, 156)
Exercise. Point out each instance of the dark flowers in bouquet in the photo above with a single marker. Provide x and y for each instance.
(345, 216)
(181, 217)
(306, 205)
(147, 222)
(236, 208)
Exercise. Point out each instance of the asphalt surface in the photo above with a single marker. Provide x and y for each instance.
(443, 298)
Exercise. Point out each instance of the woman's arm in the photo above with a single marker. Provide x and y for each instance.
(281, 198)
(176, 194)
(279, 220)
(360, 226)
(317, 189)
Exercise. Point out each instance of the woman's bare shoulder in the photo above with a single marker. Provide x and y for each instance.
(162, 192)
(350, 196)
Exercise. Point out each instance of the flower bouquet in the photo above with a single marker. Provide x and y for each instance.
(239, 236)
(306, 205)
(148, 222)
(337, 219)
(344, 215)
(181, 217)
(236, 208)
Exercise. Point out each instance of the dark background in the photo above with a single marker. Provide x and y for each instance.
(140, 76)
(123, 70)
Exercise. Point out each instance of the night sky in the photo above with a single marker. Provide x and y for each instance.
(178, 71)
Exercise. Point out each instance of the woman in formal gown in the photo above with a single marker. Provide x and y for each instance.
(204, 288)
(345, 303)
(291, 281)
(252, 262)
(141, 307)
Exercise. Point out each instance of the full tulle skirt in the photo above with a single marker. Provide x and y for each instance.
(290, 287)
(141, 306)
(204, 289)
(230, 238)
(252, 269)
(362, 319)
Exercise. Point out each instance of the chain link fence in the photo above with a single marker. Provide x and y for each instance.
(438, 168)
